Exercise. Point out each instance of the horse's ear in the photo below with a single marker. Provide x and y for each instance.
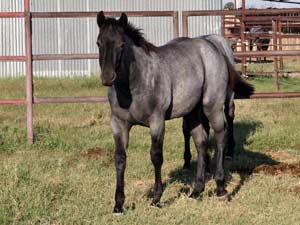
(100, 19)
(123, 21)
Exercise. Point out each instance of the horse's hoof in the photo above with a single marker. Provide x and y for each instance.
(221, 191)
(118, 211)
(187, 167)
(225, 198)
(195, 194)
(155, 204)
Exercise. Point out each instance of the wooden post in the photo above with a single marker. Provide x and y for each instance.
(29, 79)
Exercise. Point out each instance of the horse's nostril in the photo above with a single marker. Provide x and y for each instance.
(114, 77)
(108, 79)
(106, 83)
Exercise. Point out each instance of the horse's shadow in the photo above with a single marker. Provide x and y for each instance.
(243, 163)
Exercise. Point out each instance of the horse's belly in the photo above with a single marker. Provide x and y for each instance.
(184, 100)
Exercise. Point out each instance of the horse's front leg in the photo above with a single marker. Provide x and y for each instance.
(157, 127)
(120, 129)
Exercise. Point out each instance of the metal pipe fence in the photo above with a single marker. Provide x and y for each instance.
(240, 20)
(29, 57)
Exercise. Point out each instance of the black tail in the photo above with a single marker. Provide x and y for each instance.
(238, 84)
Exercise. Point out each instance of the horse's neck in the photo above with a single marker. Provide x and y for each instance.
(130, 80)
(134, 70)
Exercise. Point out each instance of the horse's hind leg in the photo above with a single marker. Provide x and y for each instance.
(187, 150)
(199, 128)
(157, 128)
(229, 114)
(216, 119)
(120, 131)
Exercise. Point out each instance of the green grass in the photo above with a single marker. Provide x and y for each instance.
(267, 84)
(289, 64)
(58, 180)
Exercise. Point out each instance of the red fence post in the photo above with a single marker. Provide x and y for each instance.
(279, 30)
(29, 79)
(243, 39)
(185, 29)
(175, 24)
(274, 29)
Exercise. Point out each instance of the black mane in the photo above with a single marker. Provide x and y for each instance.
(135, 35)
(138, 38)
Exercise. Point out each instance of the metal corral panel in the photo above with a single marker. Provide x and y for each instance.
(70, 35)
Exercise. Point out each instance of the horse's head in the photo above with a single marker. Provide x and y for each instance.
(110, 42)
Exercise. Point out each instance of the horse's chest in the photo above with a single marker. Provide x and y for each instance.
(134, 111)
(140, 112)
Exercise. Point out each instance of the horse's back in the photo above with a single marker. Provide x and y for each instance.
(196, 70)
(222, 44)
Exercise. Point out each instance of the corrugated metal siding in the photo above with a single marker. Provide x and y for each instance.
(11, 5)
(12, 38)
(68, 35)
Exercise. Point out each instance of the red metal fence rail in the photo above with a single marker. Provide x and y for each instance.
(29, 57)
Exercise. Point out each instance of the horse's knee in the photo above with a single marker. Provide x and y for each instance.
(157, 157)
(157, 128)
(120, 159)
(120, 130)
(156, 151)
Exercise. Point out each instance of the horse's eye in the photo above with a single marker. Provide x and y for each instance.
(98, 44)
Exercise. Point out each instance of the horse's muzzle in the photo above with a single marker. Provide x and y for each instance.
(108, 80)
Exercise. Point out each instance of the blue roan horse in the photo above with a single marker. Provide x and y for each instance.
(187, 78)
